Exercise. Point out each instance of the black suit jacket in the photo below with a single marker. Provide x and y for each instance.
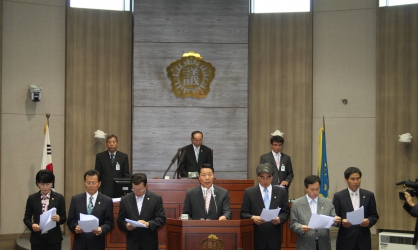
(189, 163)
(194, 204)
(266, 234)
(103, 210)
(286, 175)
(414, 212)
(33, 213)
(152, 211)
(347, 237)
(108, 170)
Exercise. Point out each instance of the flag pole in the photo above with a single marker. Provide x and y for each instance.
(323, 122)
(47, 118)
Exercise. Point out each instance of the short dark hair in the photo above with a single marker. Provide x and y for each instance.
(44, 176)
(111, 136)
(207, 165)
(311, 179)
(196, 132)
(93, 173)
(276, 138)
(137, 178)
(351, 170)
(264, 168)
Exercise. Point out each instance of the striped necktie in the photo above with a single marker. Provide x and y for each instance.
(266, 198)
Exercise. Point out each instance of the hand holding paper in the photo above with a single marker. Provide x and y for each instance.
(356, 217)
(88, 222)
(135, 223)
(46, 223)
(320, 221)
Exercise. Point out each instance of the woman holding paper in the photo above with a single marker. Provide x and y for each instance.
(38, 203)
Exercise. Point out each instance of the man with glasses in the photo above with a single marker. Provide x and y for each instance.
(283, 171)
(94, 203)
(144, 207)
(207, 201)
(195, 156)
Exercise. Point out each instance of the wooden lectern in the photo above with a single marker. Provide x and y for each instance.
(189, 234)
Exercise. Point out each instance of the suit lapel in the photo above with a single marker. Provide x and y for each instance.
(97, 205)
(200, 198)
(145, 202)
(361, 197)
(272, 160)
(38, 202)
(83, 203)
(132, 202)
(347, 200)
(306, 208)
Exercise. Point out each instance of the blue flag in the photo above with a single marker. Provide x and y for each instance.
(323, 164)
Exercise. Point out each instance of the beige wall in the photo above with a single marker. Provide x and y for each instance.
(33, 53)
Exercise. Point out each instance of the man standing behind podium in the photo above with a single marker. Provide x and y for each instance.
(145, 207)
(207, 201)
(267, 234)
(111, 164)
(196, 154)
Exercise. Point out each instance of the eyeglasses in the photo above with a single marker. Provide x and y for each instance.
(208, 175)
(91, 183)
(45, 184)
(138, 189)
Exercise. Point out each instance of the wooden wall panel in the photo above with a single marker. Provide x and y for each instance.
(280, 90)
(397, 111)
(1, 81)
(163, 31)
(98, 88)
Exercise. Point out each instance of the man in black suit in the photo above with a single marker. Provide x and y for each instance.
(145, 207)
(196, 154)
(94, 203)
(283, 171)
(207, 201)
(37, 204)
(355, 237)
(267, 234)
(111, 164)
(412, 209)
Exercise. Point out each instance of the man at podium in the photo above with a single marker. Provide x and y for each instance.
(207, 201)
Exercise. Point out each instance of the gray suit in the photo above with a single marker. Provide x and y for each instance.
(301, 214)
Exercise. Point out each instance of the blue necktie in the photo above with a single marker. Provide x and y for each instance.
(90, 206)
(266, 198)
(112, 158)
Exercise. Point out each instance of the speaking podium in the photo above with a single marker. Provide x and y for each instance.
(189, 234)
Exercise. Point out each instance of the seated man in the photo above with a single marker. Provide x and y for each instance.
(207, 201)
(196, 154)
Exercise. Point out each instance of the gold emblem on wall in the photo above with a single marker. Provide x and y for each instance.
(191, 76)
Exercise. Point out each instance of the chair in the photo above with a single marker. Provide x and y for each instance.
(212, 243)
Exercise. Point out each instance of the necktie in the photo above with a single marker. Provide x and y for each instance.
(355, 201)
(90, 206)
(207, 201)
(139, 202)
(112, 158)
(266, 198)
(197, 154)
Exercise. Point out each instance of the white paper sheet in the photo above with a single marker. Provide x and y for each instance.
(135, 223)
(320, 221)
(46, 223)
(88, 222)
(269, 214)
(356, 217)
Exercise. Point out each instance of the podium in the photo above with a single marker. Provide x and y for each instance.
(189, 234)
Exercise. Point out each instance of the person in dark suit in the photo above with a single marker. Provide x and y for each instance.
(207, 201)
(94, 203)
(267, 234)
(283, 171)
(301, 213)
(40, 202)
(412, 209)
(350, 236)
(195, 156)
(145, 207)
(111, 164)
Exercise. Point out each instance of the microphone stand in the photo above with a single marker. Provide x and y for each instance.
(182, 153)
(172, 162)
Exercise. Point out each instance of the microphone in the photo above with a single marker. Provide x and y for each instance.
(214, 198)
(182, 154)
(172, 162)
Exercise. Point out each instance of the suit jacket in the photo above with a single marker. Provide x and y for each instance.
(414, 212)
(347, 237)
(189, 163)
(194, 204)
(33, 213)
(103, 210)
(301, 215)
(266, 234)
(108, 170)
(286, 175)
(152, 211)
